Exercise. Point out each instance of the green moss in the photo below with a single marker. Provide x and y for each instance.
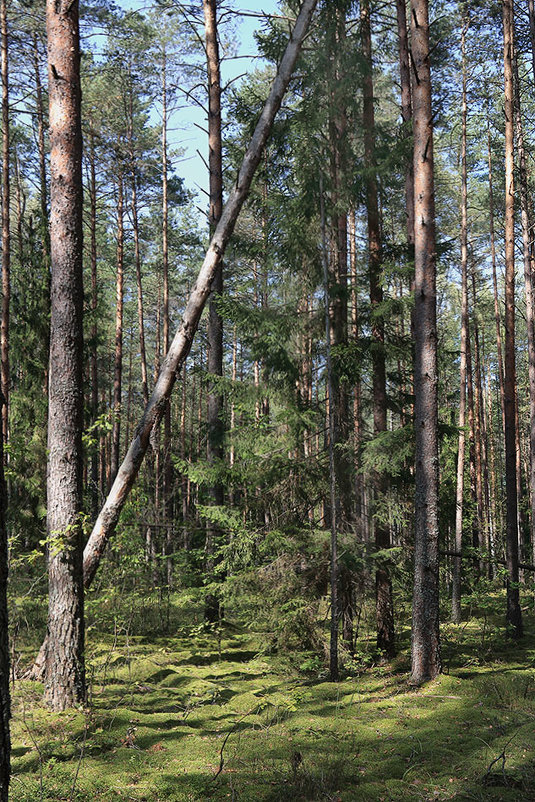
(162, 712)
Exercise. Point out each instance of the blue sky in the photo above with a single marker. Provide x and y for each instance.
(192, 168)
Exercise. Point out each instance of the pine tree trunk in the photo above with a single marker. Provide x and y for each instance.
(456, 583)
(331, 447)
(5, 704)
(137, 253)
(514, 614)
(425, 641)
(118, 360)
(360, 517)
(478, 435)
(383, 583)
(214, 355)
(406, 114)
(167, 464)
(43, 193)
(94, 327)
(5, 380)
(65, 675)
(529, 268)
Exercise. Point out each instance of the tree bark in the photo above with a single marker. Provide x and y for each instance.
(5, 703)
(383, 583)
(137, 254)
(6, 236)
(94, 328)
(456, 583)
(425, 641)
(65, 674)
(167, 464)
(331, 446)
(514, 614)
(214, 356)
(406, 114)
(529, 269)
(43, 193)
(118, 359)
(182, 341)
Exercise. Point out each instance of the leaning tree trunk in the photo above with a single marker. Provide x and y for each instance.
(383, 582)
(180, 347)
(65, 676)
(514, 614)
(425, 643)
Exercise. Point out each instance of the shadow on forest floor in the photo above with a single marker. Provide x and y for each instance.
(163, 721)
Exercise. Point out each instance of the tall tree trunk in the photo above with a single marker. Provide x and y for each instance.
(118, 361)
(182, 341)
(5, 703)
(215, 322)
(514, 614)
(478, 435)
(43, 192)
(425, 641)
(137, 252)
(456, 583)
(167, 464)
(65, 674)
(338, 288)
(497, 316)
(406, 114)
(531, 14)
(21, 204)
(383, 583)
(6, 245)
(361, 518)
(331, 445)
(529, 269)
(94, 327)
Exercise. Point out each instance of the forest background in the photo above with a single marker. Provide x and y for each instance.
(285, 500)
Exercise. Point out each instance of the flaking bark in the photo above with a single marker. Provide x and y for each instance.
(425, 641)
(65, 676)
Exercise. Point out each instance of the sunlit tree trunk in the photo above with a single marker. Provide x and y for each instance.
(425, 641)
(214, 355)
(137, 252)
(94, 326)
(5, 380)
(529, 269)
(119, 311)
(167, 464)
(406, 111)
(456, 583)
(514, 614)
(5, 704)
(65, 674)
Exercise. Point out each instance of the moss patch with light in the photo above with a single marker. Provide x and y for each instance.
(202, 717)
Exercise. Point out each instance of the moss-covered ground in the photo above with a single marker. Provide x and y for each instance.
(202, 716)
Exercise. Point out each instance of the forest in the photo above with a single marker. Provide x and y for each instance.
(267, 400)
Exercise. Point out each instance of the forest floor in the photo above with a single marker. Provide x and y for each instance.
(208, 716)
